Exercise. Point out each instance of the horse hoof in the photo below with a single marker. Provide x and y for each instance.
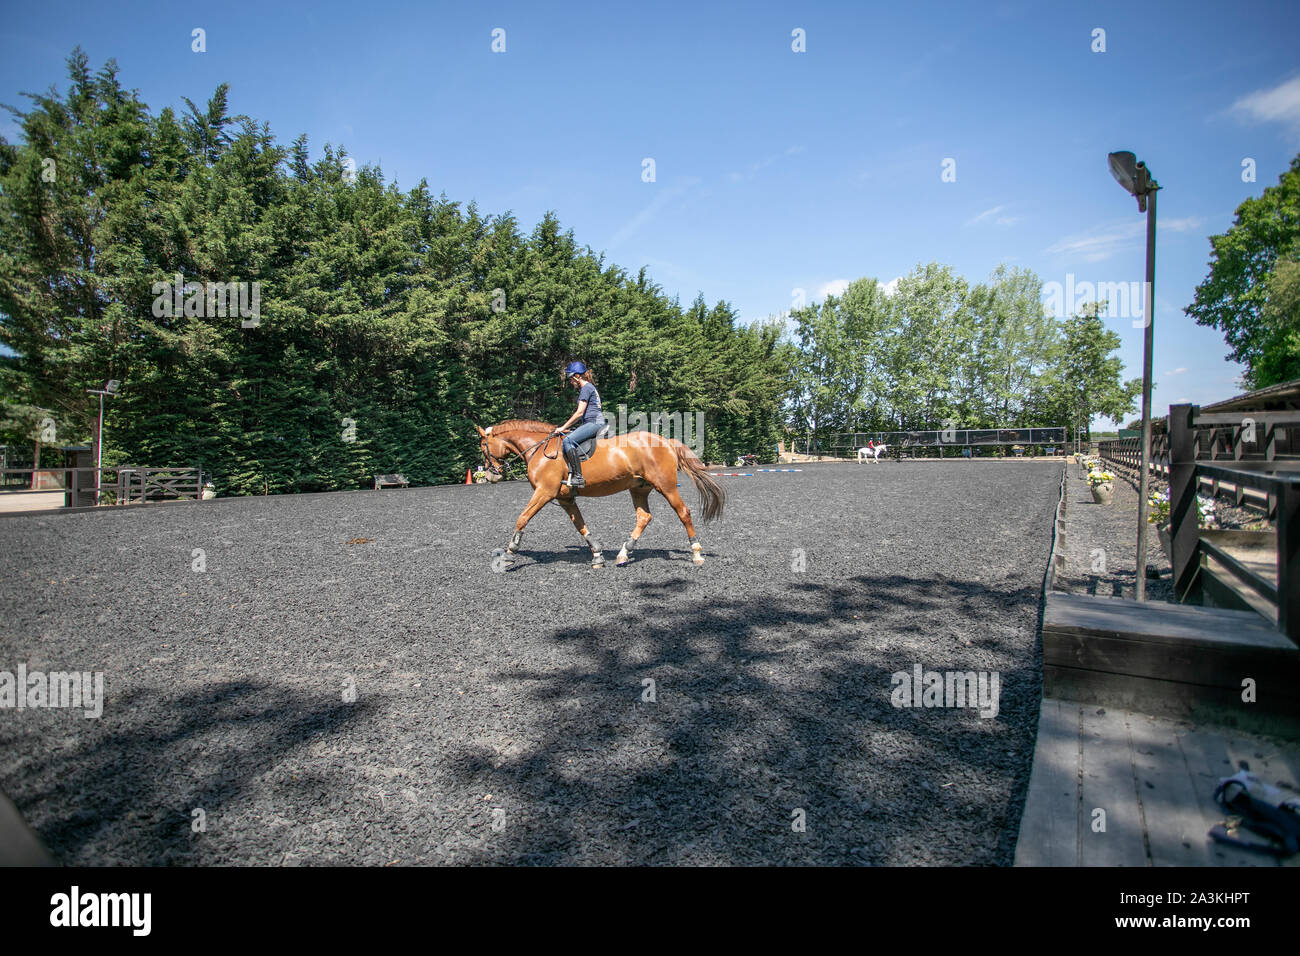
(697, 560)
(598, 563)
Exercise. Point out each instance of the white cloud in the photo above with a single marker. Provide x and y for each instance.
(1103, 242)
(1177, 371)
(755, 168)
(835, 287)
(664, 195)
(1281, 104)
(985, 215)
(891, 287)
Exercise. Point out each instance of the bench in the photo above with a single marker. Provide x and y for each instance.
(391, 481)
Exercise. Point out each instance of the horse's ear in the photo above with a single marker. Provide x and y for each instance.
(482, 433)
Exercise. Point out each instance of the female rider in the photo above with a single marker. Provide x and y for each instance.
(579, 376)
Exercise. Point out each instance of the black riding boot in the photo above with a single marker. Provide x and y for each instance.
(575, 468)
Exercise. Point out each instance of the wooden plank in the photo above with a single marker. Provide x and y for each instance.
(1288, 562)
(1214, 705)
(1049, 833)
(1235, 418)
(1171, 623)
(1107, 783)
(1221, 588)
(19, 844)
(1186, 662)
(1177, 832)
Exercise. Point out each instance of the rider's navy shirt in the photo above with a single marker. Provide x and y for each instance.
(589, 395)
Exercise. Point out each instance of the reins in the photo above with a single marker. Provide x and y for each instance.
(496, 466)
(542, 444)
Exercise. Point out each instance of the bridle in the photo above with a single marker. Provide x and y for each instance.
(496, 465)
(493, 465)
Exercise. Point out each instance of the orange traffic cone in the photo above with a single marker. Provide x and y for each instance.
(467, 478)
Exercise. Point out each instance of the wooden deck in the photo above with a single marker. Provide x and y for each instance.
(1153, 777)
(19, 845)
(1171, 660)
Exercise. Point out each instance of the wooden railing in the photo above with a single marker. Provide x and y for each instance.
(143, 484)
(127, 484)
(1275, 480)
(1127, 453)
(1230, 438)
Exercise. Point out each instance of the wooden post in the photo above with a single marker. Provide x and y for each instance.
(1288, 561)
(1184, 521)
(1238, 450)
(1270, 453)
(1214, 454)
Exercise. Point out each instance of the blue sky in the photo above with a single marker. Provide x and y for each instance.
(775, 171)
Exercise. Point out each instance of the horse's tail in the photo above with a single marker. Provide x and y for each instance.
(710, 491)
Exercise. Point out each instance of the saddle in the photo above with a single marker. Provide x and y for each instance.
(588, 448)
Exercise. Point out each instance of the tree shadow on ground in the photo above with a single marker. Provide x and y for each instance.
(763, 710)
(135, 782)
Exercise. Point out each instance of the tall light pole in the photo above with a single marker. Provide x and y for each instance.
(110, 389)
(1137, 180)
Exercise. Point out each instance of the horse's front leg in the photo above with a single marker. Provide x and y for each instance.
(535, 504)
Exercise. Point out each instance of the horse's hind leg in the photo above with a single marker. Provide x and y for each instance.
(683, 512)
(571, 508)
(641, 501)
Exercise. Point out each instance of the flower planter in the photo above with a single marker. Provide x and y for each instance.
(1165, 541)
(1102, 494)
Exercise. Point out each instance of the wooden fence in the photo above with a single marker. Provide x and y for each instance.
(1233, 439)
(1275, 480)
(121, 485)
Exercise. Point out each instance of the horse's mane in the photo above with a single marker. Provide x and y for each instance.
(521, 425)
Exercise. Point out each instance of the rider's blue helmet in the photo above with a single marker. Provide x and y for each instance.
(575, 368)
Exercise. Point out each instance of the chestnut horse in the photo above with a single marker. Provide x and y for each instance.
(638, 462)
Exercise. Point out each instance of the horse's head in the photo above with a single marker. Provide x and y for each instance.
(494, 450)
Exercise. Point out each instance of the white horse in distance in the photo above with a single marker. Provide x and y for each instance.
(872, 451)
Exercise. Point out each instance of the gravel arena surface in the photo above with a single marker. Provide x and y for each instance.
(350, 682)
